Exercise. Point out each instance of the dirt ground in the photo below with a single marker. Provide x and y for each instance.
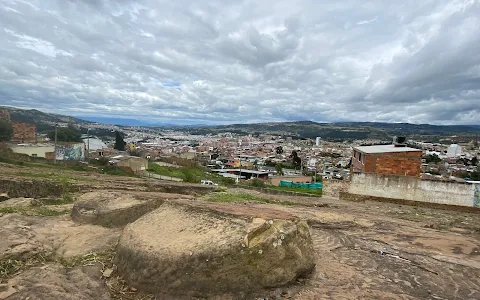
(378, 250)
(368, 250)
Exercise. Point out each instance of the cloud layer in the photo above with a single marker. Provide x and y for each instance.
(224, 61)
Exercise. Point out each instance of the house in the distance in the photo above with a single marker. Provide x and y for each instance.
(396, 159)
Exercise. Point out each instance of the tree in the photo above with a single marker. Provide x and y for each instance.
(6, 131)
(432, 158)
(296, 161)
(66, 134)
(474, 161)
(279, 169)
(279, 150)
(119, 142)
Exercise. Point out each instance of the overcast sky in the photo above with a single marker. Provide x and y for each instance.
(224, 61)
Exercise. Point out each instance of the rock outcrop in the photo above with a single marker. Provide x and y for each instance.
(27, 236)
(54, 281)
(19, 202)
(116, 209)
(186, 250)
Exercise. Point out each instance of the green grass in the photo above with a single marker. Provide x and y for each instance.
(65, 199)
(34, 211)
(12, 266)
(116, 171)
(242, 197)
(193, 175)
(88, 259)
(8, 210)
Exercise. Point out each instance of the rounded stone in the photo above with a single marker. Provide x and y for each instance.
(196, 251)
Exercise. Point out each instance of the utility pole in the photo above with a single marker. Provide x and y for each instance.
(240, 175)
(88, 143)
(55, 147)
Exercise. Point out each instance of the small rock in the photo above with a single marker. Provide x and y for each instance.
(132, 289)
(4, 197)
(107, 272)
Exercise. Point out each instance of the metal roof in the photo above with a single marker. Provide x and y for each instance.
(384, 149)
(238, 170)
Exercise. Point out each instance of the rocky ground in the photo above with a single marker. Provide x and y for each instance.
(365, 250)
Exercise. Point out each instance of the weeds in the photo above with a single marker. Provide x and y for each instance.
(33, 211)
(242, 197)
(12, 266)
(8, 210)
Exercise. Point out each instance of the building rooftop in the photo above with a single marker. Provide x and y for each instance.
(238, 170)
(384, 149)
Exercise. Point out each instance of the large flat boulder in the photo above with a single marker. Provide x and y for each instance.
(116, 208)
(26, 236)
(187, 250)
(56, 282)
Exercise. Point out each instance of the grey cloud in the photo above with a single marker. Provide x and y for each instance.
(244, 61)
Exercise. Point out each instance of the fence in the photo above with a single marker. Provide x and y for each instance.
(161, 177)
(310, 186)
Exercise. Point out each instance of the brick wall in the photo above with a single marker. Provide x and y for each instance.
(401, 163)
(4, 115)
(23, 132)
(395, 163)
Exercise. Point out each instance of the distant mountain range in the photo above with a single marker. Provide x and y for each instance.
(297, 130)
(349, 130)
(38, 117)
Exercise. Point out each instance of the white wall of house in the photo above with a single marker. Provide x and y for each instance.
(415, 189)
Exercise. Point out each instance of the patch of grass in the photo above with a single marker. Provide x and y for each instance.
(33, 211)
(242, 197)
(60, 177)
(297, 190)
(66, 199)
(88, 259)
(8, 210)
(192, 175)
(50, 212)
(12, 266)
(116, 171)
(11, 161)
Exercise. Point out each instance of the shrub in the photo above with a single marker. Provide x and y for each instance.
(257, 183)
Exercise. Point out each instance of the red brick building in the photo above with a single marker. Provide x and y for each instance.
(24, 133)
(387, 159)
(4, 115)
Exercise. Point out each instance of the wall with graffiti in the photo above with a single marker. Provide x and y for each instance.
(71, 152)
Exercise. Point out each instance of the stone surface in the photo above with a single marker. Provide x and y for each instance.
(4, 197)
(32, 188)
(25, 236)
(19, 202)
(55, 282)
(117, 208)
(186, 250)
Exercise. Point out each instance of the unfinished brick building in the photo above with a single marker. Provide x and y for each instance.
(387, 159)
(4, 115)
(24, 133)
